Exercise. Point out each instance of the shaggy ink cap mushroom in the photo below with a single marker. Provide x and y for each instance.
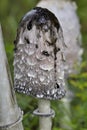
(38, 59)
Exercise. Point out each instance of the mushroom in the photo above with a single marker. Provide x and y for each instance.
(65, 11)
(39, 58)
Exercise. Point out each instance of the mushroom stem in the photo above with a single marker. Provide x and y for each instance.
(10, 114)
(45, 123)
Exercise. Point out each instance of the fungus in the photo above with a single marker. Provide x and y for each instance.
(38, 61)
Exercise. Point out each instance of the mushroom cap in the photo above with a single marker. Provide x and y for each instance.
(38, 57)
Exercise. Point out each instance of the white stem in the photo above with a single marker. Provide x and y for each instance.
(9, 111)
(65, 121)
(45, 123)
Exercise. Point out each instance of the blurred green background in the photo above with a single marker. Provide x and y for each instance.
(11, 12)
